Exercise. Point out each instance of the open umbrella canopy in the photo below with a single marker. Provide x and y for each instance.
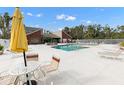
(18, 41)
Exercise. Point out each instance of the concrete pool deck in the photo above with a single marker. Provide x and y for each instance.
(82, 67)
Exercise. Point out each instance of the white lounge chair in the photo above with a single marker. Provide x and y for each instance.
(42, 73)
(53, 66)
(111, 54)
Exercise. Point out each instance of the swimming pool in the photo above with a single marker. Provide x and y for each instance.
(69, 47)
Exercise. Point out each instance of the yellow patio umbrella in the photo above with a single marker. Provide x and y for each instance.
(18, 41)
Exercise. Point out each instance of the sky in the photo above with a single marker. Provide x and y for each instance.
(56, 18)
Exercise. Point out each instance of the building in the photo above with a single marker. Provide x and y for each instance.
(34, 35)
(37, 36)
(64, 37)
(50, 37)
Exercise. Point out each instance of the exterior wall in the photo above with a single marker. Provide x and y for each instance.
(65, 38)
(35, 37)
(59, 33)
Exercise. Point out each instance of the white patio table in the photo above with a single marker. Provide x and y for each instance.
(18, 69)
(14, 65)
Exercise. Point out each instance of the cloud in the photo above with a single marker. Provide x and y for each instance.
(60, 29)
(36, 25)
(70, 18)
(61, 16)
(29, 25)
(29, 14)
(65, 17)
(88, 22)
(35, 15)
(39, 15)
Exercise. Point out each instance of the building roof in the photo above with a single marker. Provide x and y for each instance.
(29, 33)
(32, 29)
(59, 33)
(51, 35)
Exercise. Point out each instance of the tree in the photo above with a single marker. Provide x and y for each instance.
(95, 31)
(98, 33)
(66, 29)
(107, 31)
(1, 23)
(90, 34)
(7, 20)
(121, 28)
(4, 24)
(80, 32)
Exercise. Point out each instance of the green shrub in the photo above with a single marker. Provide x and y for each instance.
(122, 44)
(1, 47)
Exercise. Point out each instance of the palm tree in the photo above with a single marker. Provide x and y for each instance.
(7, 19)
(107, 31)
(4, 24)
(1, 23)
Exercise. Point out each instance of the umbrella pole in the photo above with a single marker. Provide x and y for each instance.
(28, 83)
(25, 59)
(32, 82)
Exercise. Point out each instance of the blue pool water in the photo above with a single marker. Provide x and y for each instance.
(69, 47)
